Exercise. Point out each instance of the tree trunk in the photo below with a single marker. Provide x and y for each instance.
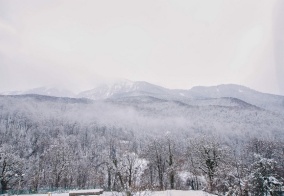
(161, 177)
(4, 186)
(130, 177)
(172, 180)
(109, 179)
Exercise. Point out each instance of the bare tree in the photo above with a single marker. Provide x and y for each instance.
(207, 154)
(11, 165)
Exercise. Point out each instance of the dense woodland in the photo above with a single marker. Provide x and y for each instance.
(45, 145)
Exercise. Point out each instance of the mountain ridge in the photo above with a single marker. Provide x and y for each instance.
(142, 89)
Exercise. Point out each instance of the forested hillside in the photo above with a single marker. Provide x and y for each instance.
(139, 142)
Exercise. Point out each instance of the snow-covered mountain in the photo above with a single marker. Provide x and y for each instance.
(48, 91)
(150, 115)
(150, 108)
(263, 100)
(128, 90)
(129, 115)
(124, 91)
(124, 88)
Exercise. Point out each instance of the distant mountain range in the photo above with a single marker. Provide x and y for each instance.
(128, 91)
(146, 108)
(48, 91)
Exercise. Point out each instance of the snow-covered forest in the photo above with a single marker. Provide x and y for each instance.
(142, 98)
(130, 144)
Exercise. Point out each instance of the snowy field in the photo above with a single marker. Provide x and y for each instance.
(156, 193)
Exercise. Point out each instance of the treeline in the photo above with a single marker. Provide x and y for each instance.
(52, 153)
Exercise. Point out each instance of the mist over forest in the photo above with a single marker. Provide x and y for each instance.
(142, 139)
(142, 98)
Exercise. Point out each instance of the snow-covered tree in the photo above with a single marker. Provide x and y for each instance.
(11, 166)
(161, 153)
(58, 160)
(208, 156)
(262, 178)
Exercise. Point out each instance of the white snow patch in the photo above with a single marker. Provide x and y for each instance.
(180, 193)
(155, 193)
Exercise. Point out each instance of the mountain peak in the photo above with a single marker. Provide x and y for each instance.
(129, 89)
(121, 88)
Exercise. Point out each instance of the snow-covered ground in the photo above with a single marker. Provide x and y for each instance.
(156, 193)
(180, 193)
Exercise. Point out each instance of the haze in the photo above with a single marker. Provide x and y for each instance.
(175, 44)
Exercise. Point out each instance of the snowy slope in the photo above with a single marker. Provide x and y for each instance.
(155, 193)
(48, 91)
(263, 100)
(150, 115)
(129, 90)
(125, 88)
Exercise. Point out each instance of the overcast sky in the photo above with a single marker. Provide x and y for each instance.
(175, 44)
